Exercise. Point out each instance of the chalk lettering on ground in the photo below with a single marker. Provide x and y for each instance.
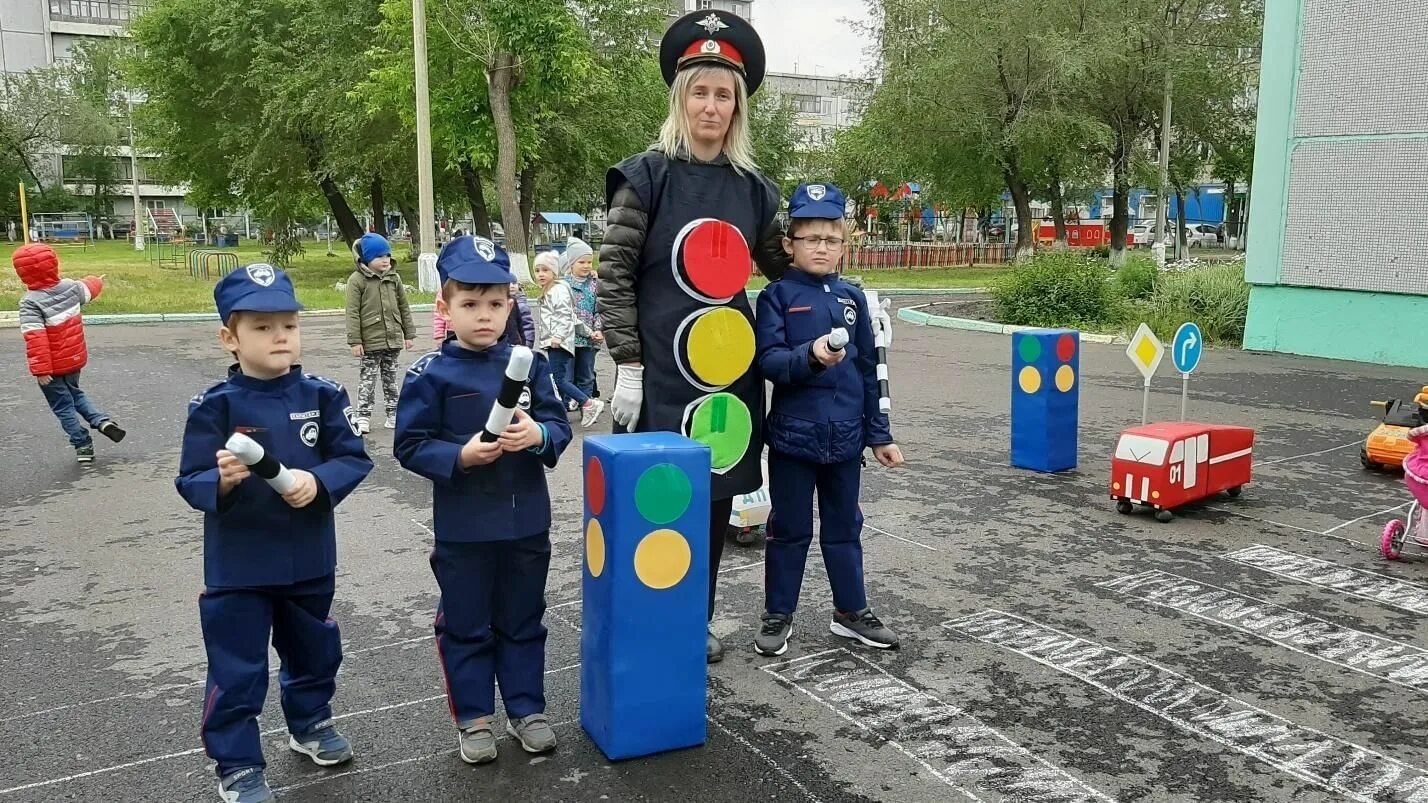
(1375, 656)
(1351, 770)
(956, 747)
(1354, 582)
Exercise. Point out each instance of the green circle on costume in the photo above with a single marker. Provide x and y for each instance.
(722, 422)
(1029, 348)
(662, 493)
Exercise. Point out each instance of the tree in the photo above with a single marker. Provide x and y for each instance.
(777, 139)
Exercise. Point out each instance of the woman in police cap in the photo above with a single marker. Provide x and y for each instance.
(684, 217)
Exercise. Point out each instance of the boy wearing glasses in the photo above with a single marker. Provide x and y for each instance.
(824, 413)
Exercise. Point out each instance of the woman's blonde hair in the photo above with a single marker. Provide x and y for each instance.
(676, 138)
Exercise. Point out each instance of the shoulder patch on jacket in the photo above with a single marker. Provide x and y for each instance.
(324, 380)
(419, 367)
(197, 400)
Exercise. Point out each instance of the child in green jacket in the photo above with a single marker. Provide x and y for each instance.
(379, 325)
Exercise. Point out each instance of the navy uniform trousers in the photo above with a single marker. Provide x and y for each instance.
(791, 487)
(237, 625)
(488, 625)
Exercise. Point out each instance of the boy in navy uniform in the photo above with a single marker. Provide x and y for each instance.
(824, 413)
(491, 509)
(268, 559)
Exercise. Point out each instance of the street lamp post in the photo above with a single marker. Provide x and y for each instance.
(134, 178)
(426, 259)
(1163, 207)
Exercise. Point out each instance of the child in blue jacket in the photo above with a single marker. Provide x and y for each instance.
(824, 413)
(491, 508)
(269, 559)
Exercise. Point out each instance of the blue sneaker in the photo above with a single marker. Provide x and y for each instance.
(323, 744)
(245, 786)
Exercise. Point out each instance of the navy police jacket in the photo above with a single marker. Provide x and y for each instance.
(251, 537)
(444, 403)
(819, 414)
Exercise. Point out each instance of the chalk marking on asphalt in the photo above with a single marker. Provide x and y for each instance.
(324, 778)
(777, 767)
(1294, 527)
(1371, 586)
(1384, 659)
(424, 528)
(1369, 516)
(900, 538)
(974, 756)
(198, 750)
(1297, 750)
(1279, 460)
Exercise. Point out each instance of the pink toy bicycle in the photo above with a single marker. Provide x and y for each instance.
(1414, 531)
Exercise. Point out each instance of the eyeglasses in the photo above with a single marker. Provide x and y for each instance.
(832, 243)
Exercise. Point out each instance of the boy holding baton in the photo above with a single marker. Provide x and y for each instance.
(815, 343)
(269, 556)
(473, 422)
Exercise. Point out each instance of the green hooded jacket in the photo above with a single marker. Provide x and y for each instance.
(378, 315)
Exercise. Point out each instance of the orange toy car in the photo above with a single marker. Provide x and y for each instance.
(1388, 444)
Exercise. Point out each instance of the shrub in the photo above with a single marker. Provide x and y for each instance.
(1058, 288)
(1216, 298)
(1136, 279)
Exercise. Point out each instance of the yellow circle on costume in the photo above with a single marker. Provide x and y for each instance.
(662, 559)
(1065, 378)
(595, 547)
(721, 346)
(1029, 379)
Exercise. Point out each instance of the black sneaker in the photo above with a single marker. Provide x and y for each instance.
(85, 453)
(112, 431)
(863, 626)
(713, 648)
(773, 636)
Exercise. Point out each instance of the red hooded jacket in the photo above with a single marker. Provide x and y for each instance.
(49, 312)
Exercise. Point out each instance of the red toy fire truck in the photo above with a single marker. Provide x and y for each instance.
(1166, 466)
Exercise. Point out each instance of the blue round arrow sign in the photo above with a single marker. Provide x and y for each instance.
(1187, 347)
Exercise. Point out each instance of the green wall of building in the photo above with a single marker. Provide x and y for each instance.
(1340, 324)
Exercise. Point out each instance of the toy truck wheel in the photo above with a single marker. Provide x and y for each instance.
(1236, 491)
(1164, 516)
(1391, 545)
(1366, 461)
(748, 537)
(1124, 507)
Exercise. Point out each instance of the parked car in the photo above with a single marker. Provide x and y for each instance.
(1202, 235)
(1142, 234)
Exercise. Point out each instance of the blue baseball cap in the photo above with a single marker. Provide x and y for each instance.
(257, 288)
(820, 201)
(474, 260)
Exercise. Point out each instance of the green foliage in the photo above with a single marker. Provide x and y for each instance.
(1058, 288)
(1137, 277)
(1215, 297)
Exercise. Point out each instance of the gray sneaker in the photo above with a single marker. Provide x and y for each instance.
(323, 744)
(478, 744)
(713, 648)
(533, 732)
(773, 636)
(245, 786)
(863, 626)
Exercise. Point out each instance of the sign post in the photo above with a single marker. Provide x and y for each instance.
(1145, 352)
(1185, 351)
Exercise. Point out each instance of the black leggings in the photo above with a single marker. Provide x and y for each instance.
(719, 511)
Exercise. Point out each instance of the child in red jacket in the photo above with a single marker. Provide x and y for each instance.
(54, 343)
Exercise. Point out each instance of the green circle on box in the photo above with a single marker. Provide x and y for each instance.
(1029, 348)
(662, 493)
(722, 422)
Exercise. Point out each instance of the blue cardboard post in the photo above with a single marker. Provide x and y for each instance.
(643, 674)
(1045, 399)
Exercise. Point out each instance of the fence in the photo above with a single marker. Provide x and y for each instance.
(927, 255)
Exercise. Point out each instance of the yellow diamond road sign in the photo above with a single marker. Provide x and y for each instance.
(1145, 351)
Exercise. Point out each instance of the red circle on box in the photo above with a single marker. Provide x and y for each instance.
(716, 259)
(595, 486)
(1066, 347)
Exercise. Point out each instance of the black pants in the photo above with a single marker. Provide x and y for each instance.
(719, 510)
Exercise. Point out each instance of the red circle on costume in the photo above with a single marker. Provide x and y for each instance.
(595, 486)
(716, 259)
(1066, 347)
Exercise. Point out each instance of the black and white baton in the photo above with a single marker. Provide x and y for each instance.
(250, 453)
(518, 371)
(880, 339)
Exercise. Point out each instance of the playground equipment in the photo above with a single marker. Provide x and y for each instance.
(203, 261)
(166, 253)
(62, 228)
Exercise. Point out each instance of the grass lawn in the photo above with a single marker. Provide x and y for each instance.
(134, 284)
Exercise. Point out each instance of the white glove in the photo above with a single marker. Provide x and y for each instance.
(883, 320)
(629, 394)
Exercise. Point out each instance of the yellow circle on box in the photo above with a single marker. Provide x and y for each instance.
(1029, 379)
(721, 346)
(662, 559)
(595, 547)
(1065, 379)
